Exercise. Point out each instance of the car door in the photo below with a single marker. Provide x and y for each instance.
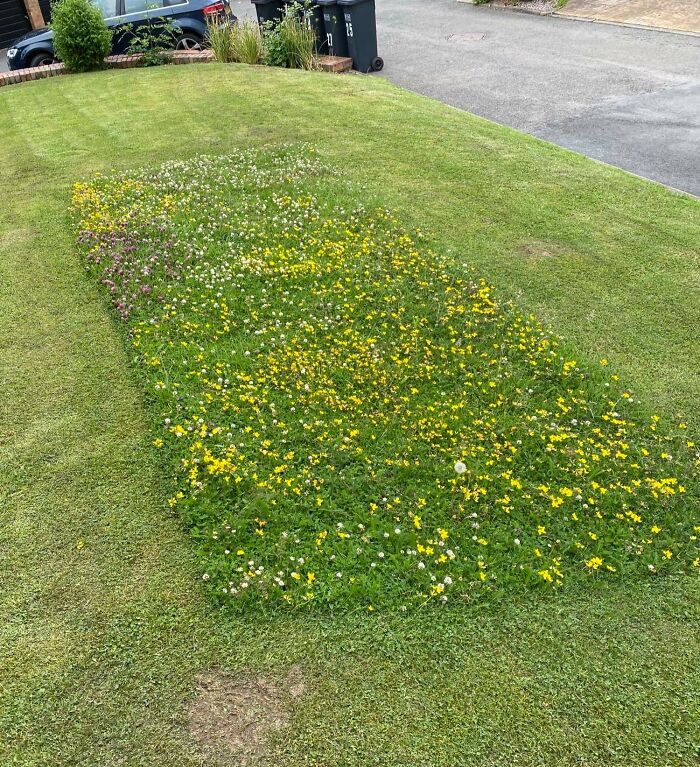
(137, 14)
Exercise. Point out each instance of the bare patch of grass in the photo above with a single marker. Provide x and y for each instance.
(235, 714)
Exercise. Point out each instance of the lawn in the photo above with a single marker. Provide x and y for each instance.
(106, 624)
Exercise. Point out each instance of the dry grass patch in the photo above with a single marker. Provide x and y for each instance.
(235, 714)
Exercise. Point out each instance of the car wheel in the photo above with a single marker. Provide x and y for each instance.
(41, 59)
(188, 41)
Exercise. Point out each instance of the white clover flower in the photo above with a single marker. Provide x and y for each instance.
(460, 467)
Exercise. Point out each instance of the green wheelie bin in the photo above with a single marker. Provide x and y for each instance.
(361, 33)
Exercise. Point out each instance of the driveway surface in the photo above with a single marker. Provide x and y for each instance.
(670, 14)
(627, 96)
(3, 60)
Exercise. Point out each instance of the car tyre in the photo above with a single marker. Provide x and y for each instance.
(188, 41)
(42, 59)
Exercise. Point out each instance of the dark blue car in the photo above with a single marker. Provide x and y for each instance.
(122, 16)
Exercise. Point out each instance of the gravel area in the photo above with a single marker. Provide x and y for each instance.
(540, 6)
(536, 6)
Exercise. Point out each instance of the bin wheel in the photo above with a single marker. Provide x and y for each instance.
(377, 64)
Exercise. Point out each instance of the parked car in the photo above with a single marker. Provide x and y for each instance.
(190, 17)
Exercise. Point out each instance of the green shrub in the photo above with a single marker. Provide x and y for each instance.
(247, 43)
(274, 53)
(290, 43)
(299, 41)
(241, 42)
(81, 38)
(220, 40)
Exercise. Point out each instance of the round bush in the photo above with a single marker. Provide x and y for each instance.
(81, 38)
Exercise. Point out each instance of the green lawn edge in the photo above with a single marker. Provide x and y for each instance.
(104, 625)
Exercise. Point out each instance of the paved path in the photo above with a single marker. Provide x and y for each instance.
(682, 15)
(626, 96)
(3, 60)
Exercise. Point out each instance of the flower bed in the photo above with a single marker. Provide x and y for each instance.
(352, 419)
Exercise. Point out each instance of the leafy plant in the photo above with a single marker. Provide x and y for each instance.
(152, 39)
(81, 37)
(298, 37)
(291, 42)
(274, 53)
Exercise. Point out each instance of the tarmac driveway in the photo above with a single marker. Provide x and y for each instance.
(626, 96)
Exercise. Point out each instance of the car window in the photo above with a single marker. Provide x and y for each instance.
(108, 8)
(138, 6)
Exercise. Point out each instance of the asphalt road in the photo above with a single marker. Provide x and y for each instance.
(626, 96)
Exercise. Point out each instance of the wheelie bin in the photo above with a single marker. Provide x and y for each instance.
(269, 10)
(335, 43)
(361, 33)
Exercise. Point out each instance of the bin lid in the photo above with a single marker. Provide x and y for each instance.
(266, 2)
(326, 2)
(353, 2)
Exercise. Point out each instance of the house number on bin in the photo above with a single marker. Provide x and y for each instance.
(348, 24)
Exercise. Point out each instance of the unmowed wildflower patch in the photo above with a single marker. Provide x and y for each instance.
(352, 419)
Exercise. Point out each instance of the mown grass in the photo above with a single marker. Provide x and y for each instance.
(104, 623)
